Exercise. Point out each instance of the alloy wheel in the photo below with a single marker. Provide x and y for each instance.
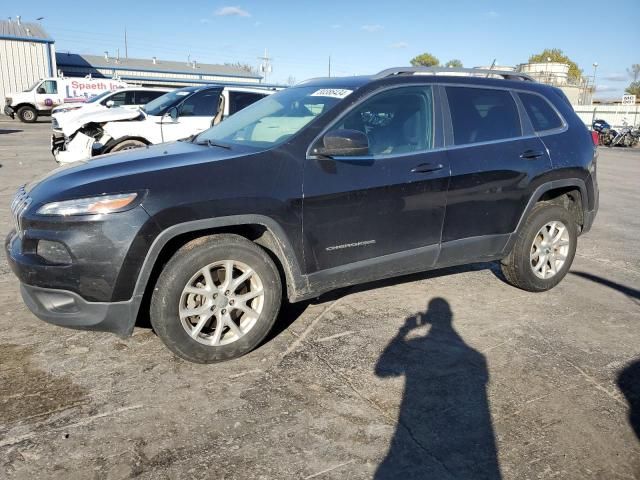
(549, 250)
(221, 303)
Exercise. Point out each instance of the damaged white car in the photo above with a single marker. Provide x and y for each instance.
(173, 116)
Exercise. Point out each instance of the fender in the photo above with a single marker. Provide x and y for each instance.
(537, 194)
(297, 284)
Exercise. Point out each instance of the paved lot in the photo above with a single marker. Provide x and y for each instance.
(450, 374)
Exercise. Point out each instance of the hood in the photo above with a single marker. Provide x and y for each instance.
(123, 171)
(72, 125)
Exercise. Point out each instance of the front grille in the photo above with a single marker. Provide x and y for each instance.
(19, 205)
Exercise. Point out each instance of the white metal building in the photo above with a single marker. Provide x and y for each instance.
(27, 53)
(152, 71)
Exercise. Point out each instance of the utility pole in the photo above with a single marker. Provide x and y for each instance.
(265, 66)
(329, 65)
(126, 50)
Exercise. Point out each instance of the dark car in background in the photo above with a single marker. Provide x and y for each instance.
(331, 183)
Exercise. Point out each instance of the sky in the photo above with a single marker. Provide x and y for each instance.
(361, 37)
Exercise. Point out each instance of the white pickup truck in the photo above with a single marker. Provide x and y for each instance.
(47, 93)
(173, 116)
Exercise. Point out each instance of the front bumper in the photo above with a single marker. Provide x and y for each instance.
(68, 309)
(9, 111)
(80, 147)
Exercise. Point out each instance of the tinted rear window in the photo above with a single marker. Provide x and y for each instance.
(542, 115)
(482, 115)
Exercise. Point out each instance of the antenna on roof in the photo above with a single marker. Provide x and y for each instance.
(493, 64)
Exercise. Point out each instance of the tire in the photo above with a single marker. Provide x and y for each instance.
(171, 304)
(27, 114)
(520, 266)
(127, 145)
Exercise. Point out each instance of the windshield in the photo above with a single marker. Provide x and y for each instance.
(272, 120)
(164, 102)
(97, 98)
(34, 85)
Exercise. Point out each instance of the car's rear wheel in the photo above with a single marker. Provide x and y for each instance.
(127, 145)
(544, 249)
(27, 114)
(216, 299)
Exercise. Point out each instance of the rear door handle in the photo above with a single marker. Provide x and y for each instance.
(427, 167)
(531, 154)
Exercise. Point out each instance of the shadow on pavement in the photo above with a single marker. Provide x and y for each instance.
(629, 385)
(4, 131)
(444, 428)
(628, 291)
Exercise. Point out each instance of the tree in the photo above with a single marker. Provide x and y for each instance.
(425, 60)
(242, 66)
(454, 63)
(634, 71)
(634, 88)
(556, 55)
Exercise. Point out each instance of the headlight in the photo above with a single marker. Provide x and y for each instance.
(89, 206)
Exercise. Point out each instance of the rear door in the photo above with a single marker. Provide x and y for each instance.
(495, 161)
(391, 201)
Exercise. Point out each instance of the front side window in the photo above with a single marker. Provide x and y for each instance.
(542, 115)
(240, 100)
(50, 87)
(201, 104)
(395, 122)
(274, 119)
(142, 97)
(163, 103)
(118, 99)
(482, 115)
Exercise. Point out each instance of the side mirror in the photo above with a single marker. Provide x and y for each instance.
(172, 113)
(41, 90)
(110, 103)
(343, 143)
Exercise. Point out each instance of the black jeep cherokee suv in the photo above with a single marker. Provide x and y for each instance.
(333, 182)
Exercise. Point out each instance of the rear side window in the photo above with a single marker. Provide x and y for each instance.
(482, 115)
(542, 115)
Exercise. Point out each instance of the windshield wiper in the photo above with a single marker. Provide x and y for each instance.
(211, 143)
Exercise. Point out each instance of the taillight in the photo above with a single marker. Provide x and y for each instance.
(594, 137)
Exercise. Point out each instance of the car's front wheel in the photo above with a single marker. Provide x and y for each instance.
(216, 299)
(27, 114)
(127, 145)
(544, 249)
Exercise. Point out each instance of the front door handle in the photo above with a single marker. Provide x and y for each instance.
(531, 154)
(427, 167)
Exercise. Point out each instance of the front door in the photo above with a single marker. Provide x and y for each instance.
(48, 95)
(195, 115)
(392, 201)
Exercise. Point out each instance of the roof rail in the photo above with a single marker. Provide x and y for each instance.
(507, 75)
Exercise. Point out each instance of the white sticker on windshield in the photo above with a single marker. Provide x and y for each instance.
(332, 92)
(182, 94)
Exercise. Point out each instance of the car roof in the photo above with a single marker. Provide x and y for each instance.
(410, 75)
